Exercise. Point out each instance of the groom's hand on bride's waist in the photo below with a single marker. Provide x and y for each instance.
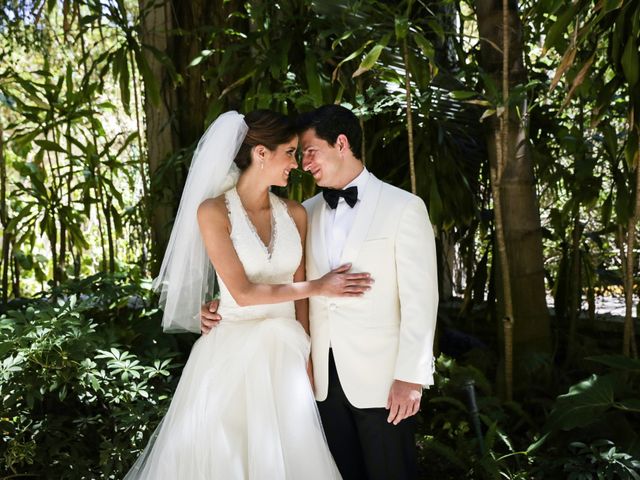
(209, 317)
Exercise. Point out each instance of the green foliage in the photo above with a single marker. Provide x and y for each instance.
(84, 376)
(591, 431)
(599, 460)
(450, 447)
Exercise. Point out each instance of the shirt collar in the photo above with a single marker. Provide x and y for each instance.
(360, 181)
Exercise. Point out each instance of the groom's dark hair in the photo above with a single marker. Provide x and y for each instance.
(329, 121)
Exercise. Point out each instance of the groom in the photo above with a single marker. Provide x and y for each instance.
(372, 355)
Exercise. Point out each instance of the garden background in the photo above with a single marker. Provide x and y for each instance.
(516, 122)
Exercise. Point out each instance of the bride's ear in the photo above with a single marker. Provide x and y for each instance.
(259, 152)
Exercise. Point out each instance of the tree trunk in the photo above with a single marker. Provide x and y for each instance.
(156, 27)
(175, 28)
(519, 212)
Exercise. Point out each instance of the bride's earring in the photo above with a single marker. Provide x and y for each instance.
(262, 165)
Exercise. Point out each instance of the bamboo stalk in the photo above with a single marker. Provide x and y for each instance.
(363, 149)
(629, 347)
(407, 81)
(4, 218)
(497, 173)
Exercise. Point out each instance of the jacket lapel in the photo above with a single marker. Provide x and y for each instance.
(318, 248)
(361, 223)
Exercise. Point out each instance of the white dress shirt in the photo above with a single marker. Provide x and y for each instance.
(338, 221)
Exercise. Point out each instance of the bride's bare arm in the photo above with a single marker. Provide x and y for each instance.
(215, 229)
(299, 215)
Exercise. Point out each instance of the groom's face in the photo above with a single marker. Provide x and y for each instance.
(320, 159)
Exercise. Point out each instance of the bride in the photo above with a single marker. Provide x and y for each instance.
(244, 407)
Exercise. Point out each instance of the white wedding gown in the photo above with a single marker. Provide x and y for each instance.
(244, 408)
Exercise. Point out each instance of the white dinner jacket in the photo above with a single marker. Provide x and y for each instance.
(388, 333)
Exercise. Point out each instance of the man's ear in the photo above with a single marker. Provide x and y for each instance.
(343, 143)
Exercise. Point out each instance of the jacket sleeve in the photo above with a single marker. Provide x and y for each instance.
(416, 265)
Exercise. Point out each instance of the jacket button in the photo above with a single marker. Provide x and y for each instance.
(332, 306)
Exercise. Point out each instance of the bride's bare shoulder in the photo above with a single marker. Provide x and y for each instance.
(213, 210)
(297, 211)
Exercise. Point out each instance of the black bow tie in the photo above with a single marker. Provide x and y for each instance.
(332, 197)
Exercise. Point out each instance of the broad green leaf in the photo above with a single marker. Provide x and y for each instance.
(51, 146)
(152, 89)
(555, 35)
(436, 27)
(610, 5)
(435, 203)
(583, 404)
(425, 45)
(203, 55)
(607, 207)
(631, 404)
(313, 79)
(344, 36)
(631, 148)
(462, 94)
(401, 27)
(630, 61)
(369, 60)
(124, 80)
(619, 362)
(445, 452)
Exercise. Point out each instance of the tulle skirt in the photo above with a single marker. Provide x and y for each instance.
(243, 409)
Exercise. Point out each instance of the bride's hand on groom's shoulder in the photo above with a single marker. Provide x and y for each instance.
(339, 283)
(209, 317)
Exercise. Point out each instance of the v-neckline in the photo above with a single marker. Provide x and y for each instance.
(268, 249)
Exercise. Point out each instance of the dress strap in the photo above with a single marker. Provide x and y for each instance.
(234, 207)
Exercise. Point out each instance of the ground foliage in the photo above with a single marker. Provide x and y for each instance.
(86, 374)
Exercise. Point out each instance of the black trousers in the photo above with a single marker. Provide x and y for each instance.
(363, 444)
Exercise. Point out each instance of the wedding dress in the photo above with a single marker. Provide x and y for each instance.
(244, 408)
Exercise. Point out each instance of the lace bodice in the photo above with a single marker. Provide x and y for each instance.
(274, 264)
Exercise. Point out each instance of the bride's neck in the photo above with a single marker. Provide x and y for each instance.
(253, 194)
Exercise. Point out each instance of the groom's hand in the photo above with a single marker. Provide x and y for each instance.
(209, 317)
(404, 400)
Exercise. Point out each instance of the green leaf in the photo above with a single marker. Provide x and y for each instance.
(445, 452)
(462, 94)
(369, 60)
(631, 404)
(610, 5)
(203, 55)
(152, 89)
(436, 27)
(607, 208)
(583, 404)
(124, 80)
(435, 203)
(630, 61)
(555, 36)
(631, 148)
(619, 362)
(313, 79)
(401, 27)
(425, 45)
(51, 146)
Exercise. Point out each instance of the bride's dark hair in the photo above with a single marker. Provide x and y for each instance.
(265, 128)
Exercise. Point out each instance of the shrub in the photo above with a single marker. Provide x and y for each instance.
(83, 379)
